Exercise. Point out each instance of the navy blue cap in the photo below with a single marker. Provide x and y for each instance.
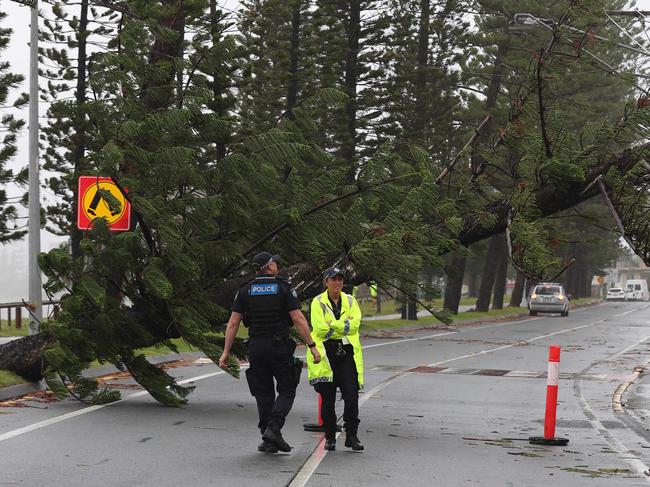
(264, 258)
(331, 272)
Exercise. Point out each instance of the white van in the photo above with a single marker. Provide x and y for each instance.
(637, 289)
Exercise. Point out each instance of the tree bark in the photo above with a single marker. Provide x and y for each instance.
(454, 287)
(586, 282)
(472, 284)
(421, 101)
(25, 356)
(489, 274)
(491, 96)
(570, 282)
(79, 138)
(517, 291)
(501, 274)
(218, 84)
(180, 55)
(353, 34)
(294, 55)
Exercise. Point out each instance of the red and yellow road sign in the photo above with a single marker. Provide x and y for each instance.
(92, 205)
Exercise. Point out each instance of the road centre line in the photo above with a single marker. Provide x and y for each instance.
(64, 417)
(309, 467)
(486, 327)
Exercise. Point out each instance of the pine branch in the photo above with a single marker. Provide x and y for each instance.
(472, 139)
(321, 206)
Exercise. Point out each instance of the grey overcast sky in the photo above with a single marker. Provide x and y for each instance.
(13, 267)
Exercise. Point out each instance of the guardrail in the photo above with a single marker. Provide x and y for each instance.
(18, 311)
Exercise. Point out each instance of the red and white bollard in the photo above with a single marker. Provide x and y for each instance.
(318, 427)
(551, 401)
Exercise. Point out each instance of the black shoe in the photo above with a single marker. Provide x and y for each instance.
(275, 437)
(352, 441)
(267, 447)
(330, 444)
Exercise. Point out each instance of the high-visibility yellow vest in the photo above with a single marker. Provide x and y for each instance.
(373, 289)
(326, 326)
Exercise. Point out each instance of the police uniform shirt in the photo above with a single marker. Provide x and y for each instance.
(263, 288)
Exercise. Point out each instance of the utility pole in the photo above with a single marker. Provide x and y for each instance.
(34, 228)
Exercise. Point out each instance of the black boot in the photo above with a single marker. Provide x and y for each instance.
(267, 447)
(274, 436)
(352, 441)
(330, 444)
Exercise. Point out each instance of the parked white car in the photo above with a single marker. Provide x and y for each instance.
(616, 294)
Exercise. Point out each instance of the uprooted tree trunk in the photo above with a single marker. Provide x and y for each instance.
(25, 356)
(487, 277)
(501, 275)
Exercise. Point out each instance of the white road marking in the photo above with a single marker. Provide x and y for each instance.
(624, 453)
(64, 417)
(309, 467)
(426, 337)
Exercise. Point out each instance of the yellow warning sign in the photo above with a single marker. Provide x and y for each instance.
(600, 280)
(95, 196)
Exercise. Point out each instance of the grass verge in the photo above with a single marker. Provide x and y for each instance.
(12, 331)
(464, 317)
(10, 379)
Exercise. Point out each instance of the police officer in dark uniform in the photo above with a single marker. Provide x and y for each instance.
(268, 307)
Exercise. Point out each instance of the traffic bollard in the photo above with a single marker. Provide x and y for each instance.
(318, 427)
(551, 401)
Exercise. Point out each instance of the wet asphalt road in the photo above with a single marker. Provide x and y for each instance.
(462, 417)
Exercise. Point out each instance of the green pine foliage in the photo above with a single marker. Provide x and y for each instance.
(199, 132)
(10, 126)
(555, 114)
(74, 33)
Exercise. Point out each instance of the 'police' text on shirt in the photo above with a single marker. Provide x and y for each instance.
(264, 289)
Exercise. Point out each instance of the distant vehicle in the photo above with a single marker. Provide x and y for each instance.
(548, 298)
(616, 294)
(637, 289)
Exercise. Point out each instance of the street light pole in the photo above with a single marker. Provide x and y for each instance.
(34, 227)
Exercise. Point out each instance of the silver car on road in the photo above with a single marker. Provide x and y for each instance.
(548, 298)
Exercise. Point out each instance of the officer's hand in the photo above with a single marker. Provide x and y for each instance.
(223, 360)
(316, 354)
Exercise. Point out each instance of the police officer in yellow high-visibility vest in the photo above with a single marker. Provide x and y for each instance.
(335, 320)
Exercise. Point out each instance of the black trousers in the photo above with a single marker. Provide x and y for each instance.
(271, 358)
(345, 378)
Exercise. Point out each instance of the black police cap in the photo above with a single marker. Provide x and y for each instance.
(264, 258)
(331, 272)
